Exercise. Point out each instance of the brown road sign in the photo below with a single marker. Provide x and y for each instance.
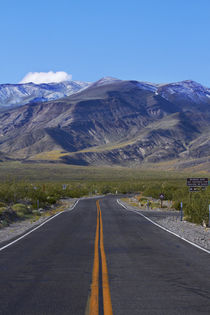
(198, 188)
(197, 182)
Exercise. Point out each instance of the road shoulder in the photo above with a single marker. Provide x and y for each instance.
(170, 220)
(18, 228)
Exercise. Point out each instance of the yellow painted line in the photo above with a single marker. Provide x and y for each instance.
(94, 297)
(105, 279)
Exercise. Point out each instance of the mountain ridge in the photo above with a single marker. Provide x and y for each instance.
(13, 95)
(112, 122)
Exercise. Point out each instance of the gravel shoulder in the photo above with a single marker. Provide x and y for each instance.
(170, 219)
(20, 227)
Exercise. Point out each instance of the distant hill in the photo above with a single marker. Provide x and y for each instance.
(113, 122)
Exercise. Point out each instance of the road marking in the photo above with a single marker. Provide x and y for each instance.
(94, 298)
(163, 228)
(105, 279)
(36, 228)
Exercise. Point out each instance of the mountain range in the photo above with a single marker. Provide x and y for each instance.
(13, 95)
(108, 122)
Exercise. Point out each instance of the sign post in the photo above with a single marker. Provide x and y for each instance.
(209, 217)
(181, 209)
(162, 196)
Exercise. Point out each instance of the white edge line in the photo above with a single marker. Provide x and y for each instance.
(36, 228)
(163, 228)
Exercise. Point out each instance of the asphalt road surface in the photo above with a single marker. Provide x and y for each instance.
(102, 259)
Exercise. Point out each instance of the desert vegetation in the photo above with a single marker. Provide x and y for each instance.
(41, 187)
(195, 204)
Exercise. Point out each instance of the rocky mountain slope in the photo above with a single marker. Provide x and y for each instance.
(112, 122)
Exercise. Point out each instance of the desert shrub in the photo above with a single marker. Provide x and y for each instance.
(142, 199)
(155, 205)
(36, 212)
(2, 209)
(177, 205)
(51, 199)
(106, 189)
(168, 191)
(4, 223)
(196, 208)
(20, 208)
(152, 191)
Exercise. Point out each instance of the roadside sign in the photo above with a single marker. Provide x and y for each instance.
(64, 187)
(197, 182)
(162, 196)
(191, 189)
(199, 188)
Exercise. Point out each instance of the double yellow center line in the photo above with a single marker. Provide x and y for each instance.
(100, 267)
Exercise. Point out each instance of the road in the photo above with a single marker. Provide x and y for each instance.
(102, 259)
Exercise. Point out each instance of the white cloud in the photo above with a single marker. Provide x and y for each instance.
(46, 77)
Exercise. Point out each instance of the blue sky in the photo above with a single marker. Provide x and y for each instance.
(150, 40)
